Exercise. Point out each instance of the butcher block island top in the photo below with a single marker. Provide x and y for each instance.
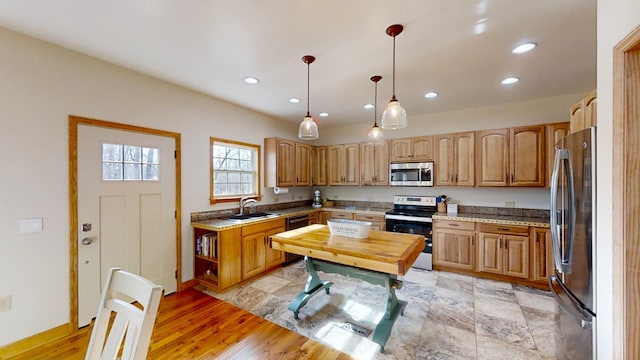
(387, 252)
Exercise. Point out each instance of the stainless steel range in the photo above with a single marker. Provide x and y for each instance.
(412, 214)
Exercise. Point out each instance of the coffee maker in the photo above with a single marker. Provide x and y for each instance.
(317, 202)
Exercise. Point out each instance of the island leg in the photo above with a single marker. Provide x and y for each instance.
(313, 285)
(395, 308)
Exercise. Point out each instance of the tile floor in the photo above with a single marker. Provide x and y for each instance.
(448, 316)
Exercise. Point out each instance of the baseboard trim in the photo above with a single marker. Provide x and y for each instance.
(33, 341)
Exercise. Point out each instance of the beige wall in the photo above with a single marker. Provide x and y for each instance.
(40, 86)
(616, 19)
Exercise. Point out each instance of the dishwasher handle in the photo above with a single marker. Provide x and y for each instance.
(297, 221)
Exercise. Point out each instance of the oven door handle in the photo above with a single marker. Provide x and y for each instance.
(420, 219)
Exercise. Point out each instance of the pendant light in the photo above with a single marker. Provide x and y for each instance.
(394, 117)
(376, 137)
(308, 129)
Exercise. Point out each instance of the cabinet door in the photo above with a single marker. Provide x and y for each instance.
(444, 162)
(253, 254)
(378, 222)
(516, 256)
(303, 168)
(490, 253)
(590, 109)
(527, 151)
(400, 150)
(272, 257)
(334, 164)
(576, 117)
(492, 157)
(464, 159)
(541, 255)
(554, 133)
(286, 163)
(319, 165)
(367, 164)
(381, 164)
(422, 148)
(351, 164)
(453, 248)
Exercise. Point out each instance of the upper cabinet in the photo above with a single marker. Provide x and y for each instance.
(583, 114)
(412, 149)
(286, 163)
(343, 164)
(374, 164)
(454, 159)
(555, 132)
(319, 165)
(511, 157)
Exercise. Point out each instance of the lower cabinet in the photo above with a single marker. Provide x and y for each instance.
(541, 254)
(327, 215)
(503, 250)
(454, 244)
(257, 255)
(378, 222)
(217, 258)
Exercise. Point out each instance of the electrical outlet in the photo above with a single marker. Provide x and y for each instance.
(509, 204)
(5, 303)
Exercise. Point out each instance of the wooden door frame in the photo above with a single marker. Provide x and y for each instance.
(74, 123)
(626, 197)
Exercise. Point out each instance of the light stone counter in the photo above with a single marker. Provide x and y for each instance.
(494, 219)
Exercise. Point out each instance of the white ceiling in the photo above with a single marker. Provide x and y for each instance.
(459, 48)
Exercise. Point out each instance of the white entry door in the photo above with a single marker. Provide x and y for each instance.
(126, 210)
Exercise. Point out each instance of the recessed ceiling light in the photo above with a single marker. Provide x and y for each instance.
(323, 114)
(251, 80)
(368, 106)
(431, 94)
(510, 80)
(523, 48)
(294, 100)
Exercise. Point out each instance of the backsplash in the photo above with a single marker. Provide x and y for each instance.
(372, 205)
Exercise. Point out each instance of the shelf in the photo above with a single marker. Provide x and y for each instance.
(208, 280)
(207, 258)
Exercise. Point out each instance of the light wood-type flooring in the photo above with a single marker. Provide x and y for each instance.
(193, 325)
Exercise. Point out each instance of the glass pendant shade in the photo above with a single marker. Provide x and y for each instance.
(394, 116)
(308, 129)
(376, 137)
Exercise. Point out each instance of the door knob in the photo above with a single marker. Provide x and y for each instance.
(87, 241)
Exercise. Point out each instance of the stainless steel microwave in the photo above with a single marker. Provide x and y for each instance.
(411, 174)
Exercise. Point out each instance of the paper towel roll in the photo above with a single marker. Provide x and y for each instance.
(279, 190)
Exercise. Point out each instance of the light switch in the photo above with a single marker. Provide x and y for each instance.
(30, 225)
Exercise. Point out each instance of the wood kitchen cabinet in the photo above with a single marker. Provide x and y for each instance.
(374, 164)
(378, 222)
(343, 164)
(220, 267)
(541, 251)
(326, 215)
(257, 255)
(454, 158)
(503, 250)
(319, 165)
(418, 148)
(554, 133)
(454, 244)
(511, 157)
(584, 113)
(287, 163)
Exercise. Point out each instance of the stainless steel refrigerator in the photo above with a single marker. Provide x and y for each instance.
(573, 231)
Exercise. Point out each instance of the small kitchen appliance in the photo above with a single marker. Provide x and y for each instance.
(412, 215)
(317, 202)
(411, 174)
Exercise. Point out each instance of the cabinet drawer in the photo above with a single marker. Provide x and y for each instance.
(340, 215)
(503, 229)
(372, 218)
(450, 224)
(262, 227)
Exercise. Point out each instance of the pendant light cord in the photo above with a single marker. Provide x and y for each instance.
(375, 107)
(394, 69)
(308, 89)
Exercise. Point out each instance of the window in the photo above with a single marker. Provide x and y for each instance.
(235, 170)
(130, 163)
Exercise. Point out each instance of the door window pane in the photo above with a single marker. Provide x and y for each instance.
(130, 163)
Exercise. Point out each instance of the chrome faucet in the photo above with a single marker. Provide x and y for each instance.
(244, 201)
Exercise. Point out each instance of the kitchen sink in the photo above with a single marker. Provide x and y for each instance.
(251, 216)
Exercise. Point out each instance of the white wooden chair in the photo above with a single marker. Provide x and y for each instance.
(130, 334)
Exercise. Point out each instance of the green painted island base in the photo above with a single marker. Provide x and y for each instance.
(395, 307)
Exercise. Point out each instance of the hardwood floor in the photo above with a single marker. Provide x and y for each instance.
(193, 325)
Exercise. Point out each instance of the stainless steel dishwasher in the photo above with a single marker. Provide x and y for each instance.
(295, 222)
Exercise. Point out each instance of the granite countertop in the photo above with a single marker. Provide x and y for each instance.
(223, 224)
(357, 210)
(494, 219)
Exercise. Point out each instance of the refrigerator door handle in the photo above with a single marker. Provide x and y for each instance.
(582, 315)
(562, 259)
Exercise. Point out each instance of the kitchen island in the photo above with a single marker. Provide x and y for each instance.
(377, 259)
